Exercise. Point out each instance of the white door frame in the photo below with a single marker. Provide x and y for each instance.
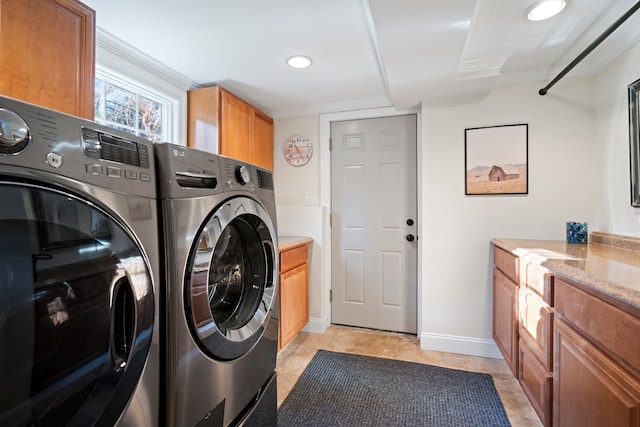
(325, 199)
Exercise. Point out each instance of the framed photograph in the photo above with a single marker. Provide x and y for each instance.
(496, 160)
(634, 141)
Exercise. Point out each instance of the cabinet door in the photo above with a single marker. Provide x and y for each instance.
(202, 118)
(536, 381)
(235, 135)
(505, 318)
(294, 307)
(47, 48)
(262, 140)
(589, 388)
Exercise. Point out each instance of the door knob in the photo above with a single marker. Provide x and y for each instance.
(410, 238)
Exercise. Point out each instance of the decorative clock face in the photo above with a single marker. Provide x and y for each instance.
(298, 150)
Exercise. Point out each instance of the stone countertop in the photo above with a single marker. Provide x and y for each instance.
(290, 242)
(609, 264)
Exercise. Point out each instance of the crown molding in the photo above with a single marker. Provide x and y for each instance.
(129, 54)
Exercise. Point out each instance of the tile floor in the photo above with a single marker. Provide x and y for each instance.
(293, 359)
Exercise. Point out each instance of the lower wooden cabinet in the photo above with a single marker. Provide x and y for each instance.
(577, 353)
(537, 383)
(294, 293)
(589, 388)
(535, 361)
(505, 318)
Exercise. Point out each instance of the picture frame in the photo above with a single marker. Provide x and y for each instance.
(634, 141)
(496, 160)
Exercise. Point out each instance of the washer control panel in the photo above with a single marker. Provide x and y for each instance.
(243, 175)
(100, 145)
(35, 139)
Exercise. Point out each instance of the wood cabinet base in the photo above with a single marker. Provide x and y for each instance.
(589, 388)
(505, 318)
(294, 293)
(536, 382)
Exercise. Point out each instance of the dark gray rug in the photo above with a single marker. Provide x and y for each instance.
(339, 389)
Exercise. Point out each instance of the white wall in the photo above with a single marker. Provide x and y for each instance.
(456, 293)
(294, 183)
(614, 211)
(457, 281)
(298, 218)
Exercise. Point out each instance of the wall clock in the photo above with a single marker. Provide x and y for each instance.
(298, 150)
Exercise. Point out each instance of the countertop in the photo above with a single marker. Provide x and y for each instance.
(609, 264)
(289, 242)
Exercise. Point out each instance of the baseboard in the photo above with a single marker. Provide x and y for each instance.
(316, 326)
(460, 345)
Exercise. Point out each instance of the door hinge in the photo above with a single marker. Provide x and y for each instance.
(330, 295)
(330, 144)
(330, 220)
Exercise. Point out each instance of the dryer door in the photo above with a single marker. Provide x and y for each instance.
(232, 277)
(76, 310)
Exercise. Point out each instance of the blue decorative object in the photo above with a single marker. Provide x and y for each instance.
(577, 232)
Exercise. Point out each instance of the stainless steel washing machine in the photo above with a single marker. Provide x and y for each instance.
(79, 267)
(221, 325)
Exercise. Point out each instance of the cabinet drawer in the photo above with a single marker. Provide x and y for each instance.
(540, 281)
(507, 263)
(293, 257)
(612, 330)
(537, 383)
(536, 326)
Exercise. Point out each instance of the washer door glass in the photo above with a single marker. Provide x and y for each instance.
(231, 283)
(76, 310)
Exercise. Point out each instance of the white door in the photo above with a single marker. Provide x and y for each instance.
(374, 210)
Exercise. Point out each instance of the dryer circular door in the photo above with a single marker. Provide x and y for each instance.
(76, 309)
(231, 278)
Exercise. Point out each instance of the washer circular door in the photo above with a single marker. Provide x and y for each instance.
(76, 309)
(231, 278)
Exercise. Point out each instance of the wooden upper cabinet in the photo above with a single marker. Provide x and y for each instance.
(220, 122)
(202, 118)
(235, 136)
(47, 48)
(262, 140)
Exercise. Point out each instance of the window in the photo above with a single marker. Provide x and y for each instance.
(121, 105)
(138, 94)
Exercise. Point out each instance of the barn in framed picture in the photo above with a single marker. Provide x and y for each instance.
(496, 160)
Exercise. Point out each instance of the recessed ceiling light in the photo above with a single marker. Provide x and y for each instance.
(299, 61)
(545, 9)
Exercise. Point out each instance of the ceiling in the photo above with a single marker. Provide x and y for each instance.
(366, 53)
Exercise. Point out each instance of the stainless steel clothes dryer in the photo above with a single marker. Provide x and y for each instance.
(78, 272)
(222, 273)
